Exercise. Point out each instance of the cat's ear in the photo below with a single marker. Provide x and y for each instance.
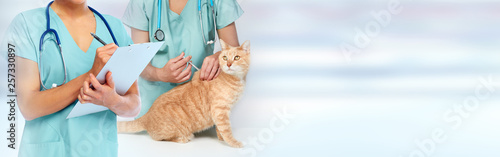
(246, 46)
(223, 45)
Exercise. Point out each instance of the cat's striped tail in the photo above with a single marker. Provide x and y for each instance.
(130, 126)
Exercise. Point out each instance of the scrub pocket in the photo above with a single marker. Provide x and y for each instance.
(52, 149)
(41, 139)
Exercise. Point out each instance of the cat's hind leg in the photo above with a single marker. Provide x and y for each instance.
(176, 138)
(182, 139)
(160, 136)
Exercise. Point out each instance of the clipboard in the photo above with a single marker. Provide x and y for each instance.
(126, 63)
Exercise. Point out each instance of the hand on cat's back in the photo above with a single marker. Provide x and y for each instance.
(210, 68)
(175, 70)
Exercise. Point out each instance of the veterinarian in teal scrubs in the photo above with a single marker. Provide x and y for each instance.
(179, 22)
(47, 132)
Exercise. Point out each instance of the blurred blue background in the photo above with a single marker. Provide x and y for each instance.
(384, 101)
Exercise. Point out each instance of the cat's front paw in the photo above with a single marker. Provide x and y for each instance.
(220, 137)
(236, 144)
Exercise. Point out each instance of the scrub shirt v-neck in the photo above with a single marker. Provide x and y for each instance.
(54, 135)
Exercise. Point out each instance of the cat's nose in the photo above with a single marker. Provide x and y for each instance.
(229, 64)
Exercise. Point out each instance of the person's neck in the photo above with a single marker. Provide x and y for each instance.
(71, 10)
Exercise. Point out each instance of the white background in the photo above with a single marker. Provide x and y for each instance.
(388, 98)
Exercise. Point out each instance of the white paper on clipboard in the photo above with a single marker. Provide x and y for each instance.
(126, 63)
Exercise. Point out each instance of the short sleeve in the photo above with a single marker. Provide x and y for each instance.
(125, 39)
(121, 35)
(18, 37)
(135, 15)
(227, 11)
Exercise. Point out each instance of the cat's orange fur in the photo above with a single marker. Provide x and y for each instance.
(198, 105)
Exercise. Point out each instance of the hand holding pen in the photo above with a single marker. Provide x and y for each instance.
(103, 54)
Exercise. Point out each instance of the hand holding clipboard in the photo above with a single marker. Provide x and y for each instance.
(126, 63)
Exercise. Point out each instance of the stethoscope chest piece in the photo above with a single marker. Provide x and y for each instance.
(159, 35)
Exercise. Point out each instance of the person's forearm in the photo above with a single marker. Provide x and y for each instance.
(35, 104)
(150, 73)
(128, 105)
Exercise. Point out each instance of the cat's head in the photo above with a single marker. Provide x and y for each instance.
(235, 60)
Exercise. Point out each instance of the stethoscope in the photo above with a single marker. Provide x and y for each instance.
(160, 36)
(50, 30)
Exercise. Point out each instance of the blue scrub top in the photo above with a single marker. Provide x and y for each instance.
(182, 34)
(54, 135)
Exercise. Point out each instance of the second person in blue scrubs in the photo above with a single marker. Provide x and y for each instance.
(183, 38)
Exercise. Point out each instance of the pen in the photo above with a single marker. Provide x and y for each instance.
(97, 38)
(102, 42)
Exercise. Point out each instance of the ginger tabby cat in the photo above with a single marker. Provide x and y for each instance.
(198, 105)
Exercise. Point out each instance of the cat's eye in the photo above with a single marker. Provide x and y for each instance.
(224, 57)
(236, 58)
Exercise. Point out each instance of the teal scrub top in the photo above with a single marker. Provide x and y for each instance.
(54, 135)
(182, 34)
